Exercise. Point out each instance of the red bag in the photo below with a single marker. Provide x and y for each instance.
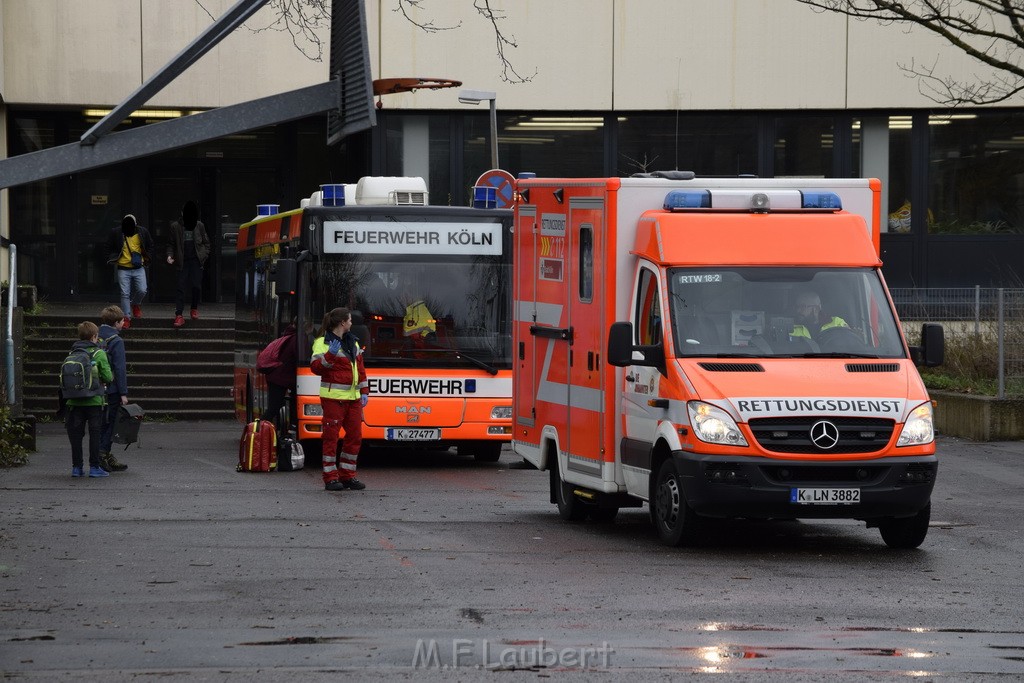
(257, 451)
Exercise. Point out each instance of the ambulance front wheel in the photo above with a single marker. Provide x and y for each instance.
(569, 506)
(675, 521)
(906, 532)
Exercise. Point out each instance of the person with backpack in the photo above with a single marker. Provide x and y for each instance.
(82, 378)
(117, 390)
(344, 391)
(129, 248)
(277, 362)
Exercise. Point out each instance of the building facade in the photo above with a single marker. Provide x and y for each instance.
(605, 87)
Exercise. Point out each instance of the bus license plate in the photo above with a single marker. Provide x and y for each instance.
(838, 496)
(406, 434)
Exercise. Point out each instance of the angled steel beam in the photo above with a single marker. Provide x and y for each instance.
(216, 32)
(167, 135)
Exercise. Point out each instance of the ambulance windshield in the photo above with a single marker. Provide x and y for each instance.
(422, 310)
(781, 312)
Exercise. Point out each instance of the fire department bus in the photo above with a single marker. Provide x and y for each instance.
(430, 291)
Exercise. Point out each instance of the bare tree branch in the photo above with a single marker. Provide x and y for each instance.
(508, 72)
(989, 31)
(302, 19)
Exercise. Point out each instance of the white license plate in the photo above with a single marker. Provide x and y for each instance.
(406, 434)
(843, 496)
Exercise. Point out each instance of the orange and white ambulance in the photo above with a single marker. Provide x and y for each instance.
(721, 347)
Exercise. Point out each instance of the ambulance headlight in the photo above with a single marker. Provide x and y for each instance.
(714, 425)
(919, 428)
(501, 413)
(313, 410)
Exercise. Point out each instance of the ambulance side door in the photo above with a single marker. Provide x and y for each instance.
(641, 383)
(587, 321)
(525, 295)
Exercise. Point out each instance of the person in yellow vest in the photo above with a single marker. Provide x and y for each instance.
(809, 321)
(344, 391)
(129, 247)
(417, 324)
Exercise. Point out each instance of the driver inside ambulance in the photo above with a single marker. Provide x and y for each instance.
(808, 320)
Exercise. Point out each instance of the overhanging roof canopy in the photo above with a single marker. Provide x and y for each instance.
(347, 97)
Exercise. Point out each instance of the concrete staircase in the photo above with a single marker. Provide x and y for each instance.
(174, 374)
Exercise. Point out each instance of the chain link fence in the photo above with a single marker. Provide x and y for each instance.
(984, 330)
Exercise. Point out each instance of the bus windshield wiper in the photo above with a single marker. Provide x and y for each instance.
(490, 369)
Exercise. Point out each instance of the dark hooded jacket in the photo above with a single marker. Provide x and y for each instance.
(128, 227)
(189, 221)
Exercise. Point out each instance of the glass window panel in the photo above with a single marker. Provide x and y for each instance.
(976, 174)
(881, 148)
(705, 144)
(438, 153)
(550, 146)
(803, 146)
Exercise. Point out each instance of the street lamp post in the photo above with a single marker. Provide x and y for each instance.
(476, 97)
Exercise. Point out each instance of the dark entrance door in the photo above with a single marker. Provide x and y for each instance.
(227, 197)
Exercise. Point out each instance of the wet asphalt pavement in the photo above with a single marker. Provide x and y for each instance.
(444, 568)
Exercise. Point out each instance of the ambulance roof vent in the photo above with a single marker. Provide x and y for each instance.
(389, 190)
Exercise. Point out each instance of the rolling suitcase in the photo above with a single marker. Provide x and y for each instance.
(257, 451)
(127, 424)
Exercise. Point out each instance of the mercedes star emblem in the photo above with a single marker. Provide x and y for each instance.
(824, 435)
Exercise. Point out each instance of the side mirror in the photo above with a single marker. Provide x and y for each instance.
(933, 345)
(286, 276)
(621, 350)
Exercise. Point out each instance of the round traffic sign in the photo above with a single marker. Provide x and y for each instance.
(504, 185)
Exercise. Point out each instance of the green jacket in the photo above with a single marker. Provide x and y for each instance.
(102, 365)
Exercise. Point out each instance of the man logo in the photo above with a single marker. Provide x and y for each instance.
(824, 435)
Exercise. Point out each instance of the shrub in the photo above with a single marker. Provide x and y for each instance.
(12, 433)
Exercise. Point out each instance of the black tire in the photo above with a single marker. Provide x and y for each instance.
(570, 507)
(488, 451)
(674, 520)
(906, 532)
(249, 411)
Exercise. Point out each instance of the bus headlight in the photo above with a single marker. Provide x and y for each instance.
(919, 428)
(501, 413)
(313, 410)
(714, 425)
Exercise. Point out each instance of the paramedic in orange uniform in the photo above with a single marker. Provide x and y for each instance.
(344, 390)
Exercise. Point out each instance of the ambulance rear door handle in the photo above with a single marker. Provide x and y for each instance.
(564, 333)
(658, 403)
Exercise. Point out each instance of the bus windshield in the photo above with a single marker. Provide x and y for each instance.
(782, 312)
(421, 310)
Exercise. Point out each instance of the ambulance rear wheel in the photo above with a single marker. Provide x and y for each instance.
(675, 521)
(906, 532)
(569, 506)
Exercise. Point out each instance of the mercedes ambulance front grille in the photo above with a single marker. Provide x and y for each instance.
(793, 435)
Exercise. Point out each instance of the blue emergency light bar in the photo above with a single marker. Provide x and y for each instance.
(687, 199)
(679, 200)
(821, 200)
